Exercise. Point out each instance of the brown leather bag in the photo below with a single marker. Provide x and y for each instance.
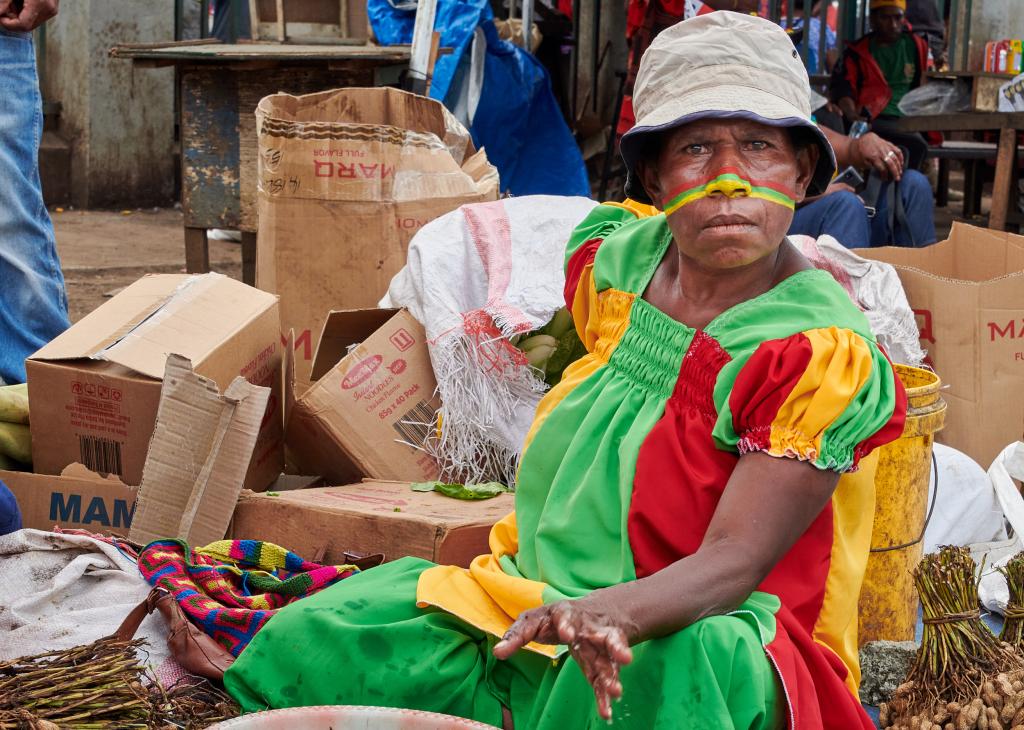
(190, 647)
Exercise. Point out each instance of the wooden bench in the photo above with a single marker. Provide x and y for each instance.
(972, 155)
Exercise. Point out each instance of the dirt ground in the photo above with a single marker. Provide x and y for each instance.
(104, 251)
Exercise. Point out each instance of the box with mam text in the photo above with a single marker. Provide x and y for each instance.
(369, 518)
(372, 402)
(94, 390)
(76, 499)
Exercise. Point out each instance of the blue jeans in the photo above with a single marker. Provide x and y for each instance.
(33, 303)
(842, 216)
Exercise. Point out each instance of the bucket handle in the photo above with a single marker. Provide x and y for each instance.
(928, 517)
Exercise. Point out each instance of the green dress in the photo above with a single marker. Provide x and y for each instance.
(620, 476)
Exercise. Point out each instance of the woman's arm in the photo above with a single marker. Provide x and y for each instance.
(767, 505)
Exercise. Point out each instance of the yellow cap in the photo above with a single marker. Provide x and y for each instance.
(878, 4)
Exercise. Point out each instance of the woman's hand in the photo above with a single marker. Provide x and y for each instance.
(871, 151)
(597, 636)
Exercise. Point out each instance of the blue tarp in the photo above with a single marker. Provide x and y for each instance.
(517, 119)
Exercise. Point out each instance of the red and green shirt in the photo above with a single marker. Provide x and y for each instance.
(629, 455)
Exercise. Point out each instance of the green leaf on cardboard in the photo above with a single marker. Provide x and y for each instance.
(484, 490)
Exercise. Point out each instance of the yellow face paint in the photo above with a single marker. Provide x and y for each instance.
(729, 182)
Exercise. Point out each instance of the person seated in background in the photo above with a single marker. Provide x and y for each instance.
(876, 72)
(842, 214)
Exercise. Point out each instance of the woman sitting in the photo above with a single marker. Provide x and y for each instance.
(691, 526)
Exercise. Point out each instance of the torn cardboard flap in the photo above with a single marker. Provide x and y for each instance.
(161, 314)
(198, 457)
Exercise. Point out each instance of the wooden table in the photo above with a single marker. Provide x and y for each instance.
(220, 86)
(1008, 125)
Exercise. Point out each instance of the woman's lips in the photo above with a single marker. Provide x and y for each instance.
(727, 222)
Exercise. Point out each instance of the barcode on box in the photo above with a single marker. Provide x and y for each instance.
(416, 425)
(101, 455)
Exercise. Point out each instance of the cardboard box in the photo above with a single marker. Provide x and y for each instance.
(94, 390)
(372, 517)
(346, 178)
(373, 394)
(77, 498)
(200, 452)
(968, 296)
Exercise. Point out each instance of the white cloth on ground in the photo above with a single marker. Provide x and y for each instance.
(59, 590)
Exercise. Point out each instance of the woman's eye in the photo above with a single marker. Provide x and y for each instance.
(759, 144)
(696, 148)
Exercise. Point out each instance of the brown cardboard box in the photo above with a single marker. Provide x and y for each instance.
(346, 177)
(365, 401)
(372, 517)
(94, 390)
(968, 295)
(78, 498)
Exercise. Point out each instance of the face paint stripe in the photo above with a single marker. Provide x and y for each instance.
(689, 187)
(730, 183)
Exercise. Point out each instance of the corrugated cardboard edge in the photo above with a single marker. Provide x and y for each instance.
(198, 457)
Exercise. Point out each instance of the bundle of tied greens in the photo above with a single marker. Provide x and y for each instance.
(963, 676)
(15, 442)
(102, 685)
(1013, 626)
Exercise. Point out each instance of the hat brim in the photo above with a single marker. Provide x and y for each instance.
(723, 102)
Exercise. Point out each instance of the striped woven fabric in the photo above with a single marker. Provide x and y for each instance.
(231, 588)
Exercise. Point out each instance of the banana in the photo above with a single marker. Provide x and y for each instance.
(14, 404)
(535, 341)
(16, 442)
(559, 324)
(539, 355)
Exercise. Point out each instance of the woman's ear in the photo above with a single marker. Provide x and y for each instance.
(647, 171)
(806, 163)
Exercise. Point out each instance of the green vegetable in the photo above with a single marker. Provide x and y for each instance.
(570, 349)
(484, 490)
(553, 347)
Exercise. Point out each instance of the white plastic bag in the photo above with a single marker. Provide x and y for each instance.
(962, 504)
(475, 278)
(937, 97)
(990, 556)
(875, 287)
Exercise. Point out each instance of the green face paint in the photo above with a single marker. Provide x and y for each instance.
(729, 182)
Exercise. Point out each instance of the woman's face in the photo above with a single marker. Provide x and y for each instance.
(728, 186)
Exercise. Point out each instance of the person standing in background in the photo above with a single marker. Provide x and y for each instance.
(926, 21)
(33, 302)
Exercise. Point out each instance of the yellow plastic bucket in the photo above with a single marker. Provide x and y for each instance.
(888, 600)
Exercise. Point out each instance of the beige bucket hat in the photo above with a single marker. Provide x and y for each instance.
(721, 65)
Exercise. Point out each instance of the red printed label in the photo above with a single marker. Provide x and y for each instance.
(402, 340)
(398, 366)
(361, 372)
